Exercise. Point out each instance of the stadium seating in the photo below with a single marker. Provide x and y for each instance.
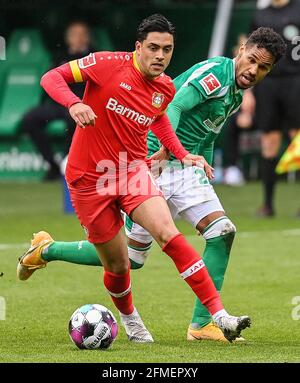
(27, 60)
(56, 128)
(102, 42)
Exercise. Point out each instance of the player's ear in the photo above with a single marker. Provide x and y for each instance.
(242, 48)
(138, 45)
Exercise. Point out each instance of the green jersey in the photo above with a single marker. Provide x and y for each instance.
(206, 95)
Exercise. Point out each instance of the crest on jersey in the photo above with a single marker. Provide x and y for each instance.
(210, 83)
(87, 61)
(157, 99)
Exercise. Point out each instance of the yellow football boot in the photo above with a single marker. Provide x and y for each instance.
(32, 260)
(209, 332)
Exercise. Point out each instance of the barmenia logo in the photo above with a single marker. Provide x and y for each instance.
(112, 104)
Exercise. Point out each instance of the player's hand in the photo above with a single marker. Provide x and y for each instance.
(82, 114)
(162, 154)
(200, 161)
(159, 160)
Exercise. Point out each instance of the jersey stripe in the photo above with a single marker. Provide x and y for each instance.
(198, 72)
(76, 71)
(135, 63)
(193, 269)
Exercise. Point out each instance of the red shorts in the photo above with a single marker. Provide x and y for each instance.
(98, 202)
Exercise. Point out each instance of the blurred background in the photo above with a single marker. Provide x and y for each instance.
(35, 133)
(35, 35)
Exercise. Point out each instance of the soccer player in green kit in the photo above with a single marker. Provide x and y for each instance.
(206, 95)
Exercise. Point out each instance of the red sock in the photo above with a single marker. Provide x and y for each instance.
(194, 272)
(119, 288)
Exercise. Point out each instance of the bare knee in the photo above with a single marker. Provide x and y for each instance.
(116, 262)
(164, 232)
(117, 267)
(270, 144)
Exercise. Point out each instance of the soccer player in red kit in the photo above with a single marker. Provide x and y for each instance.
(126, 94)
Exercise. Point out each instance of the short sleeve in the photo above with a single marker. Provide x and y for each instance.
(208, 85)
(207, 79)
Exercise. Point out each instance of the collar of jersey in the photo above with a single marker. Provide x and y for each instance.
(237, 90)
(135, 63)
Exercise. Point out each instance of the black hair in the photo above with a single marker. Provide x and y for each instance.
(154, 23)
(270, 40)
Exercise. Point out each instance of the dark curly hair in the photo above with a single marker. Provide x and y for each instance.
(270, 40)
(154, 23)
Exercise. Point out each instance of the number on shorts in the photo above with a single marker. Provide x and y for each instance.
(203, 180)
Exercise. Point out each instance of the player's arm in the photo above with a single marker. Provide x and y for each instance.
(185, 99)
(164, 132)
(55, 82)
(164, 128)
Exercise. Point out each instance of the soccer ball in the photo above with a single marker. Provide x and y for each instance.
(93, 327)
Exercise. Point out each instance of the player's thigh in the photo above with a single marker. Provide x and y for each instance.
(137, 233)
(113, 254)
(140, 237)
(146, 206)
(194, 190)
(267, 111)
(99, 216)
(197, 215)
(154, 215)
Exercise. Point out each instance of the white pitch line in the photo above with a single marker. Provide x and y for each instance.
(242, 234)
(250, 234)
(8, 246)
(286, 233)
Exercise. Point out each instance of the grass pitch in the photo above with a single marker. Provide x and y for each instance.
(262, 279)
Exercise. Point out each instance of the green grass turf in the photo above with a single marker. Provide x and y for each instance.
(262, 279)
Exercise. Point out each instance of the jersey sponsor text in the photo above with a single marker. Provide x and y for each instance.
(141, 119)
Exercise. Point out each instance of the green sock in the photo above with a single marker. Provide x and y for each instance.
(81, 253)
(215, 257)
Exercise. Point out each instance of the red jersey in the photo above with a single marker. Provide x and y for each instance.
(125, 102)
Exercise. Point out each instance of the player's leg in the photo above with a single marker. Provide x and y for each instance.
(153, 214)
(139, 242)
(197, 203)
(101, 218)
(270, 146)
(34, 124)
(219, 232)
(268, 120)
(44, 249)
(84, 253)
(114, 257)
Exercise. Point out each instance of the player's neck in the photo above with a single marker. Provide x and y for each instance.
(139, 67)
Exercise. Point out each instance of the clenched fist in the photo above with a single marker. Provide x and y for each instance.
(82, 114)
